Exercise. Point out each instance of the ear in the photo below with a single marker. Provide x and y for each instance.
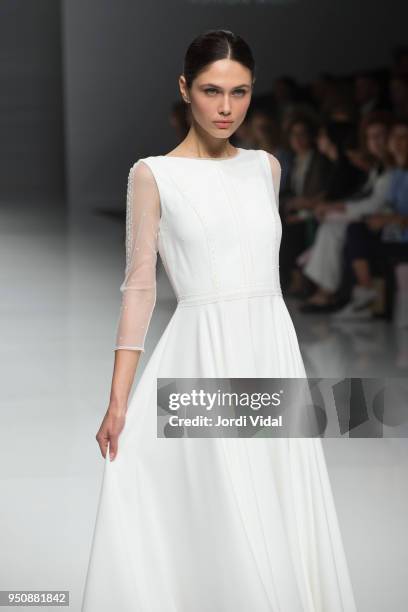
(183, 88)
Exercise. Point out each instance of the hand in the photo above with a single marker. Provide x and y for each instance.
(289, 205)
(377, 222)
(321, 210)
(295, 203)
(302, 202)
(111, 426)
(293, 218)
(358, 159)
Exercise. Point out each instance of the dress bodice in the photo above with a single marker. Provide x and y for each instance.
(215, 224)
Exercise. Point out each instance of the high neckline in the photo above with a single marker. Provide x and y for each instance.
(217, 159)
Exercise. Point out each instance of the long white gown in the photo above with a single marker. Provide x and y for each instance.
(212, 524)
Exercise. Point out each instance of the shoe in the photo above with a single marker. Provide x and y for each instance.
(359, 307)
(353, 311)
(363, 296)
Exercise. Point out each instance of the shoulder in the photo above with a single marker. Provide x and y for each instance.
(144, 166)
(273, 162)
(143, 172)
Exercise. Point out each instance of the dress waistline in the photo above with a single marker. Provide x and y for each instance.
(195, 299)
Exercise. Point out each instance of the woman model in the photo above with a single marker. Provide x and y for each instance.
(209, 524)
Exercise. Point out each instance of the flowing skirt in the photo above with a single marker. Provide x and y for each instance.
(217, 524)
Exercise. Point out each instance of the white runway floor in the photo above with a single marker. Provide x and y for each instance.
(60, 283)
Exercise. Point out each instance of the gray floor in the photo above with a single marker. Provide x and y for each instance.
(60, 301)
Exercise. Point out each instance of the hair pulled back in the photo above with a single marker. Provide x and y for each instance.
(214, 45)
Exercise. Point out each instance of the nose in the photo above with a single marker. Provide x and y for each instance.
(225, 106)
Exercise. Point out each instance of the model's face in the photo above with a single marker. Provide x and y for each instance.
(377, 139)
(220, 96)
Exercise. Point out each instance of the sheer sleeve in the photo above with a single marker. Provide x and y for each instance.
(276, 170)
(139, 284)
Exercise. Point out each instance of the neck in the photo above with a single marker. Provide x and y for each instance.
(303, 153)
(200, 144)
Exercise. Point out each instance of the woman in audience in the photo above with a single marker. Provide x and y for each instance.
(399, 95)
(325, 259)
(364, 238)
(264, 133)
(306, 179)
(334, 140)
(340, 177)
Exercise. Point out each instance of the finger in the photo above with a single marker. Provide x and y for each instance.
(113, 447)
(103, 441)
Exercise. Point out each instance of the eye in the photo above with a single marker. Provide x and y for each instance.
(211, 90)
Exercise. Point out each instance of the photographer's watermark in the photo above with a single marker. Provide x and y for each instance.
(282, 407)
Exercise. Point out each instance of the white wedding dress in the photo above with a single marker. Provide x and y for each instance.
(212, 524)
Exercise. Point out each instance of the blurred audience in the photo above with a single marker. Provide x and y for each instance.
(307, 174)
(342, 144)
(367, 241)
(324, 260)
(340, 141)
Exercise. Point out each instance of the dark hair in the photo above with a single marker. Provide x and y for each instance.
(214, 45)
(376, 117)
(343, 134)
(398, 121)
(308, 122)
(382, 117)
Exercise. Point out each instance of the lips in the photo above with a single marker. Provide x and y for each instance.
(222, 123)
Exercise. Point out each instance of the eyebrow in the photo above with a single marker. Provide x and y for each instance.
(219, 87)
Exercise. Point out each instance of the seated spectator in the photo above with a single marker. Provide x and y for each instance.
(364, 237)
(264, 133)
(324, 262)
(368, 93)
(306, 178)
(345, 176)
(339, 177)
(399, 95)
